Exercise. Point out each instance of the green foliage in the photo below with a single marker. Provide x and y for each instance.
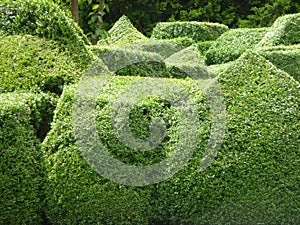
(285, 31)
(22, 117)
(123, 32)
(189, 61)
(131, 62)
(233, 43)
(254, 179)
(44, 19)
(198, 31)
(164, 47)
(80, 190)
(31, 63)
(286, 58)
(204, 46)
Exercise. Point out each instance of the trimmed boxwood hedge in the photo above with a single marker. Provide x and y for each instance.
(230, 45)
(31, 63)
(22, 117)
(286, 58)
(182, 63)
(121, 33)
(253, 180)
(84, 196)
(198, 31)
(285, 31)
(45, 19)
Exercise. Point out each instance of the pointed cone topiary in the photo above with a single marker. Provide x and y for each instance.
(123, 32)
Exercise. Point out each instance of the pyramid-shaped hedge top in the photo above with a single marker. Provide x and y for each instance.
(285, 31)
(198, 31)
(45, 19)
(123, 32)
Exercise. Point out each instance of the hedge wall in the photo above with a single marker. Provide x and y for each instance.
(121, 33)
(22, 118)
(285, 31)
(198, 31)
(233, 43)
(286, 58)
(32, 63)
(43, 18)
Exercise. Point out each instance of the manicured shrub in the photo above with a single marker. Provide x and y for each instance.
(204, 46)
(254, 179)
(190, 61)
(78, 189)
(31, 63)
(285, 31)
(286, 58)
(233, 43)
(22, 117)
(150, 64)
(44, 19)
(198, 31)
(123, 32)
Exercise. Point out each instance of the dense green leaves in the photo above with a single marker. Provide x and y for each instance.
(286, 58)
(198, 31)
(31, 63)
(22, 118)
(44, 19)
(233, 43)
(285, 31)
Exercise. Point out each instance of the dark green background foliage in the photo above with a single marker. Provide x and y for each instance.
(198, 31)
(285, 31)
(233, 43)
(44, 19)
(21, 179)
(286, 58)
(31, 63)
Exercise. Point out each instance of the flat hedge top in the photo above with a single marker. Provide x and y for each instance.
(198, 31)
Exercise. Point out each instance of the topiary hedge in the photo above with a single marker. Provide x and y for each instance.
(254, 179)
(123, 32)
(285, 31)
(23, 117)
(187, 62)
(286, 58)
(190, 62)
(230, 45)
(78, 189)
(32, 63)
(45, 19)
(198, 31)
